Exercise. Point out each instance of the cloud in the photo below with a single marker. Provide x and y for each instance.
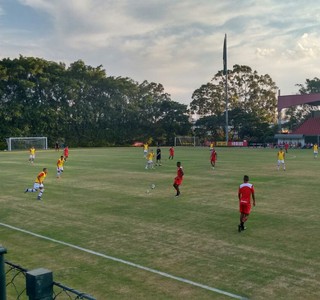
(176, 43)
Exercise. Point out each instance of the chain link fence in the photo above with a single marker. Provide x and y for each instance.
(16, 286)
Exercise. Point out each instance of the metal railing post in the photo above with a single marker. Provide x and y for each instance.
(39, 284)
(2, 274)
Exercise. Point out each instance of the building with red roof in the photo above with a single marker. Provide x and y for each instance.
(310, 128)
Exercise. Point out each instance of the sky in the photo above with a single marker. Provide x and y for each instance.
(178, 44)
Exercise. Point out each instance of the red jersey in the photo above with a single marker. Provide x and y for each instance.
(66, 151)
(246, 189)
(171, 150)
(178, 179)
(180, 172)
(213, 156)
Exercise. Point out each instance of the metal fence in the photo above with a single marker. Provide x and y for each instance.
(18, 283)
(15, 280)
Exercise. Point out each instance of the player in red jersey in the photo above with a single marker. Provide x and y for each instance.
(213, 158)
(245, 192)
(178, 179)
(171, 153)
(66, 153)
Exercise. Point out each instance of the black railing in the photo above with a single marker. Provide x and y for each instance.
(17, 283)
(60, 289)
(16, 279)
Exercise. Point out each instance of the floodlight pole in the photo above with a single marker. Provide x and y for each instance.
(225, 71)
(227, 118)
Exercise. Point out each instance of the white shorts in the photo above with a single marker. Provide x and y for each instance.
(38, 186)
(280, 161)
(32, 156)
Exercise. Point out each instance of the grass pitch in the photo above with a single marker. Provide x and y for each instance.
(104, 203)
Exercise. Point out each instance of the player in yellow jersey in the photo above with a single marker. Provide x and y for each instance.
(315, 150)
(60, 164)
(281, 155)
(145, 150)
(38, 184)
(150, 157)
(32, 155)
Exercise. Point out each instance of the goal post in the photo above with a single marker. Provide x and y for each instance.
(22, 143)
(186, 141)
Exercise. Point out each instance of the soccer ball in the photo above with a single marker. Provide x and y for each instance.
(153, 186)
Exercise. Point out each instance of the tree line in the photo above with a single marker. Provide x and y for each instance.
(83, 106)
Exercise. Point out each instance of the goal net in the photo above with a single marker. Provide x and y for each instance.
(186, 141)
(22, 143)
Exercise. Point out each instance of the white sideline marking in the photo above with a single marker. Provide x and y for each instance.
(129, 263)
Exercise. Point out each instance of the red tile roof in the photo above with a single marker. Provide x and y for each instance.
(309, 127)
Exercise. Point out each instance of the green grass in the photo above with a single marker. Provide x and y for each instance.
(101, 203)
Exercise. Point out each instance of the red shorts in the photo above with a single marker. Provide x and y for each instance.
(178, 180)
(245, 208)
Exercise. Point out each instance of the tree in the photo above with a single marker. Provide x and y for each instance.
(248, 92)
(29, 104)
(208, 100)
(172, 120)
(210, 127)
(81, 105)
(312, 86)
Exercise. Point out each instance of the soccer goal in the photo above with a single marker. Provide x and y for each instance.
(22, 143)
(186, 141)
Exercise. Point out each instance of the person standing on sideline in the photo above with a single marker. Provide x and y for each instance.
(245, 192)
(38, 184)
(213, 158)
(66, 152)
(315, 151)
(56, 146)
(171, 153)
(158, 158)
(286, 147)
(281, 155)
(60, 163)
(32, 155)
(150, 157)
(178, 179)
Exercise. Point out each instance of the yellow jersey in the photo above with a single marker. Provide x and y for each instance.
(150, 156)
(315, 147)
(60, 162)
(41, 176)
(281, 155)
(32, 151)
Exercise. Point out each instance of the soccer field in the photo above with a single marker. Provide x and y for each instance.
(103, 231)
